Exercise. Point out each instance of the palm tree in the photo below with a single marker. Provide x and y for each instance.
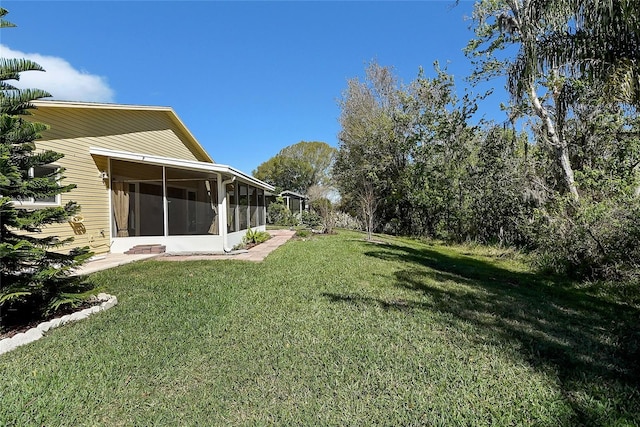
(558, 43)
(591, 39)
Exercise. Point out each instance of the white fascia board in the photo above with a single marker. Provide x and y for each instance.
(98, 105)
(178, 163)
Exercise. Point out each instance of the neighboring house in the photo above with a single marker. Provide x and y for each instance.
(296, 203)
(143, 179)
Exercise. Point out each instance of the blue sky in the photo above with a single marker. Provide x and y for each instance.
(247, 78)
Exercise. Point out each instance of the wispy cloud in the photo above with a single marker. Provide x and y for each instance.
(61, 79)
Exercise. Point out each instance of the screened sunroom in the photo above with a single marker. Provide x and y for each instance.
(187, 206)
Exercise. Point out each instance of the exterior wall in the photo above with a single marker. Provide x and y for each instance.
(177, 244)
(174, 244)
(74, 130)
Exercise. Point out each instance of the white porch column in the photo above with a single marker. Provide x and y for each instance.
(222, 209)
(236, 211)
(110, 207)
(165, 201)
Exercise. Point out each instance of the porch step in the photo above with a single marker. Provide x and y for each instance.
(147, 249)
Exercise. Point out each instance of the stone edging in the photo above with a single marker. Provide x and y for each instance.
(34, 334)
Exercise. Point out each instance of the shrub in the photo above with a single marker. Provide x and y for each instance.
(279, 214)
(311, 219)
(324, 208)
(591, 240)
(344, 220)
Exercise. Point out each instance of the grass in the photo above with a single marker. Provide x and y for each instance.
(334, 330)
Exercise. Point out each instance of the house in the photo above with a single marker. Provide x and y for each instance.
(143, 179)
(295, 202)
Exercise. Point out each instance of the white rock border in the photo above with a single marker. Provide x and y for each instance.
(34, 334)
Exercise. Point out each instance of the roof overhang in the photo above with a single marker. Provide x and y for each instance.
(191, 165)
(287, 193)
(294, 194)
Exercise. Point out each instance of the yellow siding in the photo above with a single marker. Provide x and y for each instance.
(91, 193)
(73, 130)
(145, 131)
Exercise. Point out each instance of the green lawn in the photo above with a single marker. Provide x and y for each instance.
(335, 331)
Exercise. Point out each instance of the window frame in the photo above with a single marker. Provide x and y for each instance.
(34, 203)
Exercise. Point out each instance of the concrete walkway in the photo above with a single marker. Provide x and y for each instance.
(104, 261)
(256, 254)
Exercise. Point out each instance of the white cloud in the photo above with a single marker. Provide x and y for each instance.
(60, 79)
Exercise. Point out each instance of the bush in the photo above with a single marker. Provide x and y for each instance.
(324, 209)
(311, 219)
(591, 240)
(279, 214)
(344, 220)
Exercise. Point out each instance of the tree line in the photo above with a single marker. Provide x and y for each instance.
(560, 177)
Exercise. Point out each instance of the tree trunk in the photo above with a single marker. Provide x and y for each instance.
(636, 193)
(560, 145)
(368, 204)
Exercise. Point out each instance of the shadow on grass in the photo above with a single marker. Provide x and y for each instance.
(22, 314)
(591, 343)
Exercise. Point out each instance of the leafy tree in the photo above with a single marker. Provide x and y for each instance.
(502, 196)
(405, 153)
(285, 173)
(598, 237)
(34, 275)
(575, 70)
(373, 152)
(298, 166)
(319, 155)
(443, 150)
(605, 147)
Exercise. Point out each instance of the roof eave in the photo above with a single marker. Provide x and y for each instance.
(179, 163)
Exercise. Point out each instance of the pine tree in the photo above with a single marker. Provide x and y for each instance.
(34, 273)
